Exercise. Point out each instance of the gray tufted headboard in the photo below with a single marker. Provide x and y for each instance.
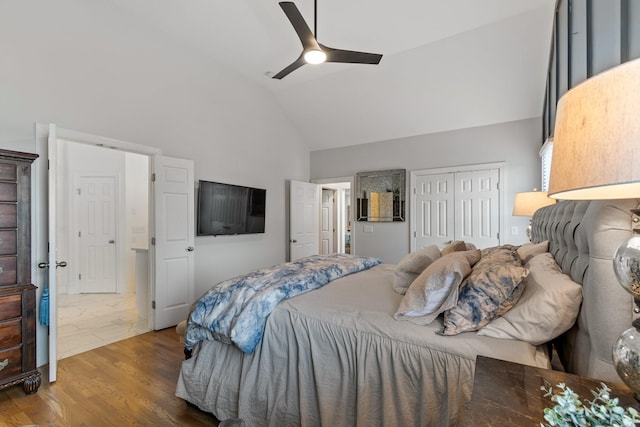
(583, 236)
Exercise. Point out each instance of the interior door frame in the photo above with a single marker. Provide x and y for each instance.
(451, 169)
(339, 180)
(39, 233)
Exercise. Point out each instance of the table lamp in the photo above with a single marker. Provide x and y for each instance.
(596, 155)
(526, 203)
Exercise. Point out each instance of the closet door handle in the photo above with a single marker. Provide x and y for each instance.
(190, 249)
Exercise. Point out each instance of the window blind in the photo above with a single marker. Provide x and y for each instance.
(545, 162)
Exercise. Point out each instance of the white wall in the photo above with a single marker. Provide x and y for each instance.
(88, 68)
(515, 143)
(136, 211)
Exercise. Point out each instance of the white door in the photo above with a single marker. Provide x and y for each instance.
(327, 228)
(53, 312)
(174, 204)
(434, 210)
(476, 207)
(97, 225)
(304, 222)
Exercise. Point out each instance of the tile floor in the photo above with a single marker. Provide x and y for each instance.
(88, 321)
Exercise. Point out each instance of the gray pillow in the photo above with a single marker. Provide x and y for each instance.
(436, 288)
(495, 284)
(412, 265)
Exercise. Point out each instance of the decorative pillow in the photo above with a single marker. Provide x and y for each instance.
(491, 290)
(436, 288)
(548, 307)
(469, 246)
(499, 254)
(529, 250)
(412, 265)
(491, 250)
(455, 246)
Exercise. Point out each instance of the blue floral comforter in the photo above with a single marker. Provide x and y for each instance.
(235, 311)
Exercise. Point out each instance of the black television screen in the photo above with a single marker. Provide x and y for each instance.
(230, 209)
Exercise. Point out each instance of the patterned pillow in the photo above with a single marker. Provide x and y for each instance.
(412, 265)
(549, 305)
(493, 287)
(436, 288)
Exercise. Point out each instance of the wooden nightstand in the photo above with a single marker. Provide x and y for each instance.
(509, 394)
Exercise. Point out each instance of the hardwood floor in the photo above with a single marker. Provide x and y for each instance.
(127, 383)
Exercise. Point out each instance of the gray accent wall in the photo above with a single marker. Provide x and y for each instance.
(514, 143)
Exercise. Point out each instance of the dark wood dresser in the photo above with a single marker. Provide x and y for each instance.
(17, 293)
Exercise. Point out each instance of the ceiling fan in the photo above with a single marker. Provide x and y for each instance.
(314, 52)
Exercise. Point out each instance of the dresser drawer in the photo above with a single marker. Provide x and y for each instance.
(10, 333)
(8, 271)
(7, 242)
(8, 215)
(14, 355)
(8, 192)
(10, 307)
(8, 172)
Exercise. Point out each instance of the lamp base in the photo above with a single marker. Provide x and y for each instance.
(626, 359)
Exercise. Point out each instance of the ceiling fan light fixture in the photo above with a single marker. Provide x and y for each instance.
(315, 56)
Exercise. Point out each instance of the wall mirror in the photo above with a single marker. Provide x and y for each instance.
(381, 195)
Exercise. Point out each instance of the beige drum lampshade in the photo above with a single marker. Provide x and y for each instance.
(596, 143)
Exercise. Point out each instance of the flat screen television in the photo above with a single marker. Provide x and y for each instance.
(230, 209)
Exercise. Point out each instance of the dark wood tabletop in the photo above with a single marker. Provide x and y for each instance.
(509, 394)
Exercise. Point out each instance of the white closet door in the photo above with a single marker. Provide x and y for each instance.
(434, 210)
(477, 207)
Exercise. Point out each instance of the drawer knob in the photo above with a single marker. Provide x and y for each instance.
(1, 270)
(4, 364)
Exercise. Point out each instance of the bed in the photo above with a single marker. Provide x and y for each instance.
(337, 356)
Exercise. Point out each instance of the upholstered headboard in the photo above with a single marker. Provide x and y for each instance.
(583, 236)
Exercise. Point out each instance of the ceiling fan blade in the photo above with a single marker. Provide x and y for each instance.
(350, 56)
(290, 68)
(299, 24)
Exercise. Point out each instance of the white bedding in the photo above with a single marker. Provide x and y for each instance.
(336, 356)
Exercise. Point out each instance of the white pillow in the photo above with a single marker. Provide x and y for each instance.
(529, 250)
(412, 265)
(547, 308)
(436, 288)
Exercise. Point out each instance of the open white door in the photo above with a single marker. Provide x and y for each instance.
(304, 222)
(53, 290)
(173, 267)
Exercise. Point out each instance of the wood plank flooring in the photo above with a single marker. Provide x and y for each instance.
(127, 383)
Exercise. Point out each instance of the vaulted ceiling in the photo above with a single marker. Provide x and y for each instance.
(446, 64)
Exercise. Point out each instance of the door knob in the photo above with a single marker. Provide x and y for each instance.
(112, 241)
(190, 248)
(294, 241)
